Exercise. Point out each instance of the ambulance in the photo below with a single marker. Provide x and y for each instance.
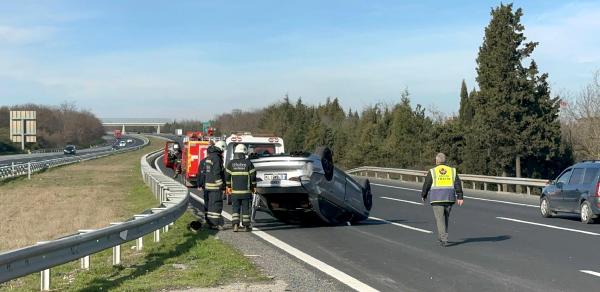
(258, 146)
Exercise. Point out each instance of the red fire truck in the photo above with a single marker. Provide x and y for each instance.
(118, 134)
(195, 145)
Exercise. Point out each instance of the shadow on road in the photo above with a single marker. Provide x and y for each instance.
(481, 239)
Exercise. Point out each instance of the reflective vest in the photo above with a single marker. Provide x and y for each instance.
(442, 188)
(240, 176)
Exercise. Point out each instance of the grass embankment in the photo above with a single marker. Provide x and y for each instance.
(93, 194)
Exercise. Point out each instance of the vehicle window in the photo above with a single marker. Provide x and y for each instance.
(591, 175)
(260, 149)
(577, 176)
(564, 178)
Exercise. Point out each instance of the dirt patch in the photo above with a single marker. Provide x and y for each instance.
(246, 287)
(60, 201)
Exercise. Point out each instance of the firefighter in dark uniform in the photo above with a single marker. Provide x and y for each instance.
(240, 177)
(175, 158)
(214, 184)
(444, 188)
(196, 224)
(202, 179)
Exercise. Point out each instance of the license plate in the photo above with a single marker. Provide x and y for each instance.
(276, 176)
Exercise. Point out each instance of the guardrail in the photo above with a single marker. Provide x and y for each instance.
(28, 168)
(41, 257)
(476, 182)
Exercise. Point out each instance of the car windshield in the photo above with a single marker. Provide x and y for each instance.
(70, 147)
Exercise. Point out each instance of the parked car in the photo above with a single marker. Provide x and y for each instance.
(129, 141)
(122, 143)
(300, 187)
(575, 190)
(70, 150)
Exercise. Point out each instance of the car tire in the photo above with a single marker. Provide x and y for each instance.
(367, 195)
(586, 213)
(326, 156)
(545, 208)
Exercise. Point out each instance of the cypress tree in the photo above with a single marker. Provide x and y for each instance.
(465, 112)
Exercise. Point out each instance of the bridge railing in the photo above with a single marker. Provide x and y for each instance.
(41, 257)
(476, 182)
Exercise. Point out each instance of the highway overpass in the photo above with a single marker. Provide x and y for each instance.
(134, 122)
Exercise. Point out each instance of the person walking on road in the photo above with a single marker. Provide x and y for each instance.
(240, 177)
(443, 187)
(214, 184)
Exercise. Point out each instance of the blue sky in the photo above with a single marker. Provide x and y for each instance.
(195, 59)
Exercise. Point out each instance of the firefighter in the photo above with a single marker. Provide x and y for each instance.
(202, 179)
(196, 224)
(175, 156)
(443, 187)
(214, 184)
(240, 177)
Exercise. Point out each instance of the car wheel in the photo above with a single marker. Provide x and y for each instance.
(367, 195)
(586, 213)
(545, 208)
(326, 156)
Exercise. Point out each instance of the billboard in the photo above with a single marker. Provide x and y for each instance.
(23, 127)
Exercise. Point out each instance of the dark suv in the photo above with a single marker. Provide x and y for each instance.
(576, 190)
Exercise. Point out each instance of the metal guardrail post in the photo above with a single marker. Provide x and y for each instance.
(116, 255)
(45, 280)
(157, 235)
(139, 244)
(29, 170)
(85, 262)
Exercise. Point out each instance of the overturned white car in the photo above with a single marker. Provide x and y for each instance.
(301, 187)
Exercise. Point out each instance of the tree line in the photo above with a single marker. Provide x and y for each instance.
(507, 125)
(56, 127)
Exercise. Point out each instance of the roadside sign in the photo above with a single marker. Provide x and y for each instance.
(23, 127)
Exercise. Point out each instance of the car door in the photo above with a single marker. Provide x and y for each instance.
(572, 191)
(555, 196)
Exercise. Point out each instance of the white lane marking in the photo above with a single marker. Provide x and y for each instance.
(401, 225)
(468, 197)
(323, 267)
(549, 226)
(590, 272)
(156, 162)
(405, 201)
(395, 187)
(503, 202)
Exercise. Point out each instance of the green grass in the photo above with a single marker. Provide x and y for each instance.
(207, 261)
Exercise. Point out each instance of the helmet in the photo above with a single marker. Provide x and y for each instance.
(221, 145)
(175, 146)
(240, 148)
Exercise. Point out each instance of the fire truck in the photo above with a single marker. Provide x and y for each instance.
(118, 134)
(195, 145)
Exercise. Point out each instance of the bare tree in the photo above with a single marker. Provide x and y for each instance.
(583, 121)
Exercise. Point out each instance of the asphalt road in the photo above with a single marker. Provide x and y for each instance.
(24, 158)
(495, 245)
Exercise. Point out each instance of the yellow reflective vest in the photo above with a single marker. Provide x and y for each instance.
(442, 187)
